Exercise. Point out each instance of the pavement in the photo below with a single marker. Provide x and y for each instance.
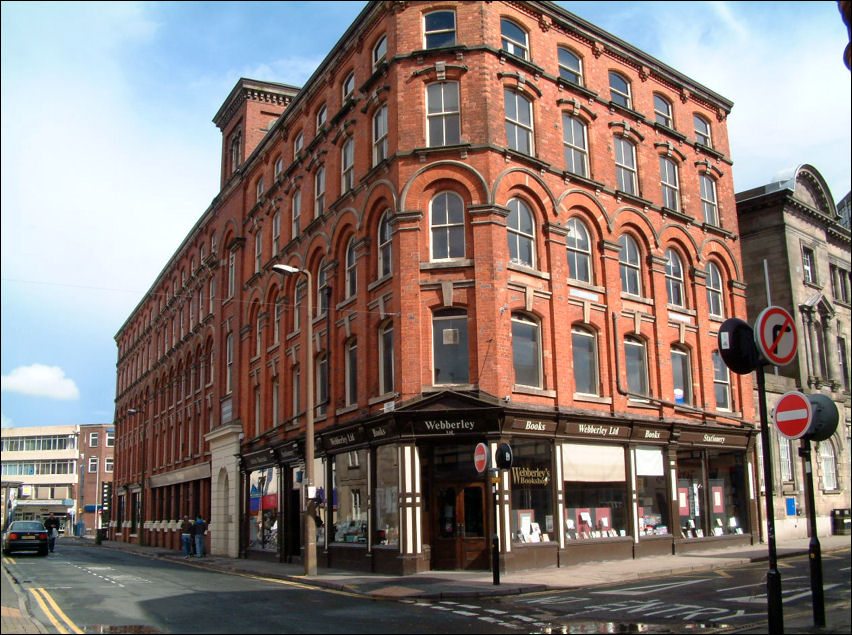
(455, 585)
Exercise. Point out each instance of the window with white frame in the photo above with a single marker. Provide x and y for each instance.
(258, 334)
(322, 289)
(576, 149)
(109, 440)
(625, 165)
(229, 360)
(584, 347)
(298, 143)
(232, 273)
(351, 371)
(674, 278)
(278, 168)
(322, 116)
(385, 260)
(296, 385)
(526, 350)
(348, 86)
(347, 165)
(520, 231)
(319, 192)
(721, 382)
(258, 251)
(636, 361)
(94, 439)
(450, 356)
(296, 214)
(386, 367)
(702, 131)
(298, 295)
(276, 406)
(276, 325)
(380, 135)
(259, 190)
(276, 233)
(629, 266)
(809, 265)
(321, 388)
(447, 225)
(519, 122)
(828, 463)
(93, 464)
(708, 200)
(785, 460)
(109, 464)
(380, 51)
(570, 66)
(715, 304)
(513, 39)
(619, 90)
(443, 123)
(681, 375)
(663, 111)
(351, 274)
(579, 250)
(439, 29)
(669, 183)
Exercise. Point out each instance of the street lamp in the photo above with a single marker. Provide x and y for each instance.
(310, 521)
(134, 411)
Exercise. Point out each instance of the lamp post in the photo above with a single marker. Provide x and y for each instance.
(142, 541)
(310, 521)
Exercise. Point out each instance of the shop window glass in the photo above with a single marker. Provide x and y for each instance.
(349, 517)
(726, 471)
(651, 492)
(532, 499)
(263, 509)
(385, 501)
(595, 491)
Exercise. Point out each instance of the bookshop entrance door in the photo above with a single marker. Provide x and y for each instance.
(459, 527)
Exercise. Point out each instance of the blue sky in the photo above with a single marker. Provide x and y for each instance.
(109, 155)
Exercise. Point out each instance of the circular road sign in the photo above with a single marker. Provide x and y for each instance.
(480, 457)
(792, 415)
(737, 347)
(775, 336)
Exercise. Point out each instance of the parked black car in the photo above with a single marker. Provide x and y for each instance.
(25, 535)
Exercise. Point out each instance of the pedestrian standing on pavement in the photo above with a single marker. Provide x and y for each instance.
(186, 528)
(199, 528)
(52, 526)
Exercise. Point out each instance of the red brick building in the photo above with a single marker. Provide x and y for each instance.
(519, 229)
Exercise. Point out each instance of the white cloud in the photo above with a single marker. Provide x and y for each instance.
(39, 380)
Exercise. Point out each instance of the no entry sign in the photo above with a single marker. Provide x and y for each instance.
(793, 415)
(775, 336)
(480, 457)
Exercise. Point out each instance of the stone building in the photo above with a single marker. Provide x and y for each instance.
(512, 227)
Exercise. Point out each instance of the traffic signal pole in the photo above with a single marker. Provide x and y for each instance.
(773, 577)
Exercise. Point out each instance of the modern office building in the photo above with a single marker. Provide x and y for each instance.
(795, 244)
(59, 470)
(505, 226)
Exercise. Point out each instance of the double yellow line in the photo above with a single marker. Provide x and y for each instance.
(56, 615)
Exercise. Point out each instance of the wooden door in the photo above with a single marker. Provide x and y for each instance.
(459, 531)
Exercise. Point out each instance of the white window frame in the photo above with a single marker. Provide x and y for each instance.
(566, 72)
(442, 113)
(709, 205)
(258, 251)
(715, 298)
(386, 358)
(630, 265)
(94, 439)
(516, 235)
(351, 369)
(385, 244)
(109, 464)
(438, 32)
(721, 380)
(351, 273)
(625, 166)
(809, 266)
(702, 131)
(276, 232)
(828, 466)
(319, 192)
(578, 246)
(579, 331)
(92, 466)
(322, 116)
(347, 166)
(516, 129)
(380, 135)
(637, 344)
(675, 289)
(576, 151)
(510, 44)
(298, 144)
(669, 184)
(530, 323)
(448, 228)
(686, 360)
(380, 51)
(617, 95)
(296, 214)
(348, 86)
(259, 190)
(278, 168)
(663, 115)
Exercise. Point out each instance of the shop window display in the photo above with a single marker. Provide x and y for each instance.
(387, 493)
(711, 493)
(653, 507)
(349, 515)
(532, 496)
(263, 508)
(595, 491)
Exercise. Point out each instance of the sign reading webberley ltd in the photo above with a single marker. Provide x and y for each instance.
(597, 430)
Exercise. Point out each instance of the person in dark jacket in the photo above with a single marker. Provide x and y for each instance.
(186, 529)
(199, 528)
(52, 526)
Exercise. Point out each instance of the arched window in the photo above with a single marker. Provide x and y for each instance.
(298, 144)
(708, 200)
(585, 348)
(514, 39)
(521, 233)
(386, 366)
(715, 305)
(351, 372)
(450, 347)
(347, 165)
(321, 388)
(447, 224)
(351, 275)
(380, 135)
(322, 289)
(570, 66)
(579, 251)
(674, 278)
(576, 149)
(721, 382)
(636, 360)
(828, 463)
(681, 375)
(702, 131)
(380, 51)
(348, 86)
(519, 122)
(619, 90)
(297, 214)
(385, 246)
(629, 266)
(322, 115)
(319, 192)
(625, 165)
(669, 184)
(526, 350)
(443, 124)
(663, 111)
